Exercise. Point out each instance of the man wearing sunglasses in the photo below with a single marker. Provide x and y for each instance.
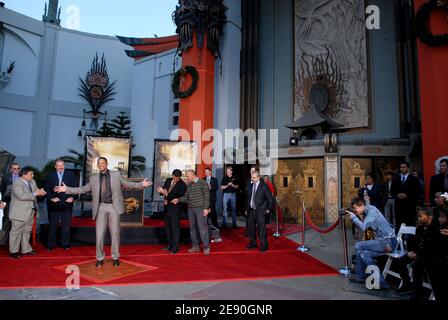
(5, 189)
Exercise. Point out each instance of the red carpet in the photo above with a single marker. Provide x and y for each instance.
(229, 260)
(147, 222)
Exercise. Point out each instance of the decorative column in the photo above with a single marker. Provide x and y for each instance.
(200, 28)
(332, 191)
(432, 46)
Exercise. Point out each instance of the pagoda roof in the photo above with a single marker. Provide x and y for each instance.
(313, 118)
(144, 47)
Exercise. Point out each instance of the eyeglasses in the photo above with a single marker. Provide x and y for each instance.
(15, 168)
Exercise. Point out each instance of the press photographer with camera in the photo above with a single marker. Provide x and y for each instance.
(365, 216)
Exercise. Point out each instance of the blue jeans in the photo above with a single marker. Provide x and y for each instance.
(367, 251)
(226, 199)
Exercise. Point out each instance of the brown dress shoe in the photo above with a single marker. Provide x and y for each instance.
(194, 250)
(207, 251)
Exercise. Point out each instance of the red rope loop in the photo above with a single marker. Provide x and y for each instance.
(311, 223)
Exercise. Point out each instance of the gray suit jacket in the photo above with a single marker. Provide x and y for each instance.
(116, 181)
(22, 200)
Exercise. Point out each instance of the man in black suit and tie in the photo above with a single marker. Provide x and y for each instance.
(173, 188)
(439, 182)
(260, 201)
(60, 205)
(405, 189)
(213, 186)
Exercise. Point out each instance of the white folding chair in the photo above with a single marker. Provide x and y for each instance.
(399, 251)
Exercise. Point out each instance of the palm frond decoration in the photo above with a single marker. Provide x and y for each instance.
(96, 89)
(77, 158)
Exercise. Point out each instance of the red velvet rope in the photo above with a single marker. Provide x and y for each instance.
(311, 223)
(280, 217)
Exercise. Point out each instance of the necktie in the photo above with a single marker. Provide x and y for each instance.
(252, 202)
(31, 190)
(403, 179)
(60, 178)
(14, 178)
(171, 186)
(29, 187)
(446, 182)
(103, 187)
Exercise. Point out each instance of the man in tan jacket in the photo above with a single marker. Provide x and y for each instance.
(107, 205)
(23, 208)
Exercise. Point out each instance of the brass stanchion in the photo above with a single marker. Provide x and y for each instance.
(303, 248)
(277, 232)
(346, 271)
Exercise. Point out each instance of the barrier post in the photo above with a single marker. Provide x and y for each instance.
(303, 248)
(277, 232)
(346, 271)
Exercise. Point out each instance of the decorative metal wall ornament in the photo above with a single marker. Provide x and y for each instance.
(320, 81)
(180, 77)
(205, 17)
(97, 90)
(335, 32)
(422, 20)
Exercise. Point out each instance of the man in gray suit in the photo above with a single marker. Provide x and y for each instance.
(107, 205)
(23, 208)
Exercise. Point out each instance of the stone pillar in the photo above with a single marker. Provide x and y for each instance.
(332, 177)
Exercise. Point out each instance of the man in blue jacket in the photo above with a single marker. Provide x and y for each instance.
(367, 216)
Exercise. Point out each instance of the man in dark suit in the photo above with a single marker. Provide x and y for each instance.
(405, 190)
(59, 205)
(5, 189)
(213, 186)
(439, 182)
(260, 201)
(173, 188)
(388, 200)
(371, 192)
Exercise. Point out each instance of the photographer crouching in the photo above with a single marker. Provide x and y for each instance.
(384, 240)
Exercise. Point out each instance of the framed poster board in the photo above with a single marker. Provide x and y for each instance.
(116, 150)
(134, 204)
(170, 155)
(6, 160)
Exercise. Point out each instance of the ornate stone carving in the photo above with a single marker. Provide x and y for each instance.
(331, 61)
(203, 17)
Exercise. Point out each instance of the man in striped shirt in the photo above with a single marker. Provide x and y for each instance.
(198, 199)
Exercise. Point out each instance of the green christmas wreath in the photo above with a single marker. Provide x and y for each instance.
(421, 23)
(175, 86)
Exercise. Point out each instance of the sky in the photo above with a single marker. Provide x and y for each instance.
(144, 18)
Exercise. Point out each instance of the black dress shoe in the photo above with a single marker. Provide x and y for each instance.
(263, 249)
(31, 253)
(251, 246)
(66, 248)
(174, 251)
(116, 263)
(99, 263)
(167, 248)
(50, 249)
(15, 255)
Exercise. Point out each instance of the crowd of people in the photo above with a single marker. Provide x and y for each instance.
(61, 190)
(380, 210)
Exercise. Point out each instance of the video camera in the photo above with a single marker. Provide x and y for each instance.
(343, 212)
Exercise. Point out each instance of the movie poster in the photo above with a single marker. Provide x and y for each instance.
(116, 150)
(134, 204)
(170, 155)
